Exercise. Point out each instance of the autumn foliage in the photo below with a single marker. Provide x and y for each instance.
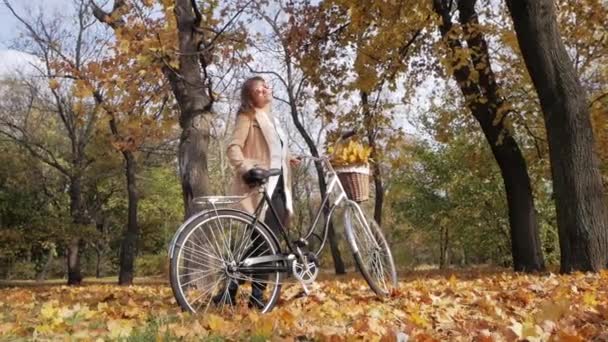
(157, 83)
(479, 305)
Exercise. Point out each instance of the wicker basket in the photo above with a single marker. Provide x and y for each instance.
(355, 181)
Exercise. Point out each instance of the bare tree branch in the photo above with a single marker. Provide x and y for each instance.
(598, 99)
(106, 17)
(210, 44)
(48, 159)
(266, 72)
(197, 14)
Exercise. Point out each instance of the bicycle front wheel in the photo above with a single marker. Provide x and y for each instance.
(204, 269)
(370, 250)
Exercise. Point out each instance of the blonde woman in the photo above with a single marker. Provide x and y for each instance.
(259, 141)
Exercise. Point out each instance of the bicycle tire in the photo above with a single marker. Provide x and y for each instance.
(370, 249)
(206, 224)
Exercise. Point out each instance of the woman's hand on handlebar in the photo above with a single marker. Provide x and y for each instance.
(295, 161)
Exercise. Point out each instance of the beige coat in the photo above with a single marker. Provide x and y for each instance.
(247, 149)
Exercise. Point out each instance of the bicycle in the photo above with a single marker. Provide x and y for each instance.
(219, 249)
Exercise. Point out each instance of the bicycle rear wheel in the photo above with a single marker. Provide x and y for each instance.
(370, 249)
(204, 269)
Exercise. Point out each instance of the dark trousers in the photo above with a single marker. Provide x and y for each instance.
(278, 200)
(278, 203)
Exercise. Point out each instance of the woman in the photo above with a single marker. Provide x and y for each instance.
(258, 140)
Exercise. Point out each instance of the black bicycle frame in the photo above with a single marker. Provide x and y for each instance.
(283, 231)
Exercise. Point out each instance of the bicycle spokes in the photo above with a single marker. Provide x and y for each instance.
(209, 265)
(371, 252)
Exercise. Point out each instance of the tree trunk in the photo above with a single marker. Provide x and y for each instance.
(333, 242)
(73, 262)
(98, 262)
(581, 211)
(128, 248)
(99, 246)
(375, 164)
(485, 104)
(443, 247)
(45, 269)
(331, 234)
(193, 151)
(79, 219)
(190, 88)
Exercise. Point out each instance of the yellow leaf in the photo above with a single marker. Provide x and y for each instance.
(54, 84)
(529, 329)
(179, 331)
(81, 89)
(453, 281)
(552, 310)
(120, 328)
(589, 299)
(6, 328)
(418, 320)
(216, 323)
(49, 311)
(44, 329)
(287, 318)
(264, 327)
(124, 46)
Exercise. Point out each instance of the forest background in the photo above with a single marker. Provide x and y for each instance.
(112, 120)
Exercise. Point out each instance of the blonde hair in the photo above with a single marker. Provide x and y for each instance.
(247, 106)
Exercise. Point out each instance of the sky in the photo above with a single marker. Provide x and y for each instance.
(12, 61)
(9, 25)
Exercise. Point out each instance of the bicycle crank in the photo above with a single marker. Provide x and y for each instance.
(306, 270)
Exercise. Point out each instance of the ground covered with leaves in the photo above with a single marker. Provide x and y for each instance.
(428, 306)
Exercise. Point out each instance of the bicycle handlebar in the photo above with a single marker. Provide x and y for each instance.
(306, 156)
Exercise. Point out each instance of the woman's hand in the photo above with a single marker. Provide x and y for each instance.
(294, 161)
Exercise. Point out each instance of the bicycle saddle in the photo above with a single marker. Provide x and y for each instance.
(258, 176)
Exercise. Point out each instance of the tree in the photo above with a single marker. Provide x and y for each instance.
(129, 92)
(29, 203)
(472, 70)
(352, 53)
(184, 46)
(366, 31)
(582, 218)
(135, 115)
(53, 45)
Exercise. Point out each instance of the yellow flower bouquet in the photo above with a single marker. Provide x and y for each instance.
(353, 153)
(351, 162)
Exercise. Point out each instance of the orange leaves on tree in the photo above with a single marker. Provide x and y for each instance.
(81, 89)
